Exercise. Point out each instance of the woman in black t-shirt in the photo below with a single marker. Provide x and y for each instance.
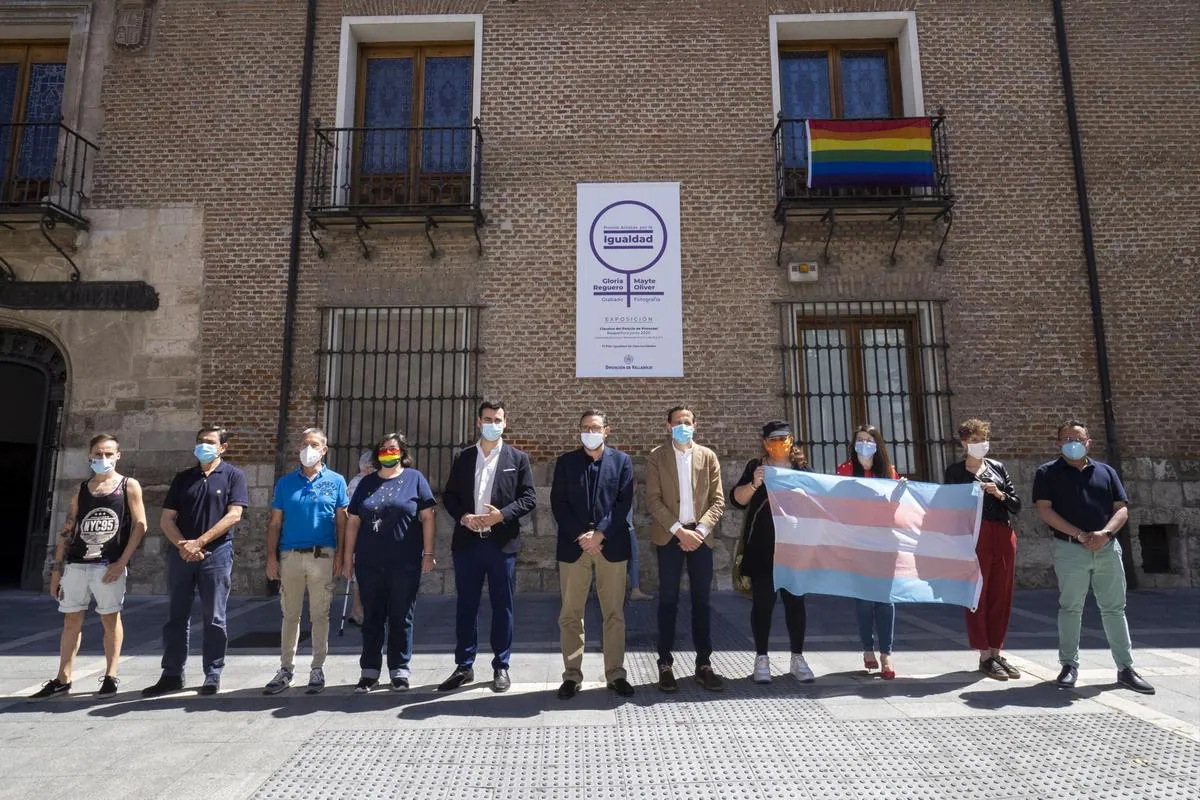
(758, 552)
(996, 548)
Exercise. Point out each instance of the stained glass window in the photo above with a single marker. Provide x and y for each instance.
(427, 91)
(804, 93)
(447, 105)
(866, 85)
(849, 81)
(31, 97)
(43, 103)
(387, 103)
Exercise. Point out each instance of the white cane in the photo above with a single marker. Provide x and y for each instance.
(345, 605)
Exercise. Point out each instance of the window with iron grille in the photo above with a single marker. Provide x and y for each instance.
(882, 363)
(412, 370)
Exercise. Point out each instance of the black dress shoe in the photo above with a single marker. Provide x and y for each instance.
(460, 677)
(1066, 679)
(1131, 680)
(501, 681)
(568, 690)
(621, 687)
(666, 679)
(166, 684)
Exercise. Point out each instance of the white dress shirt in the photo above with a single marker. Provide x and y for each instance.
(485, 475)
(687, 502)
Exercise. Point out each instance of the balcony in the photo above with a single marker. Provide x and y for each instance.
(892, 170)
(45, 169)
(379, 176)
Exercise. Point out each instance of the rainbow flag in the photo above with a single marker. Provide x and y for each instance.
(876, 539)
(877, 152)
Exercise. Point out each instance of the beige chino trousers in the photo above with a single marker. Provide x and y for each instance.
(298, 572)
(574, 580)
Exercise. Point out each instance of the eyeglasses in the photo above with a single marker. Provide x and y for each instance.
(593, 429)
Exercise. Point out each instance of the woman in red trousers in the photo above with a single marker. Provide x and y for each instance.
(996, 549)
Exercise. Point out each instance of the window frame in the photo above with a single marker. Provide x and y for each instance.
(852, 328)
(834, 48)
(25, 54)
(418, 52)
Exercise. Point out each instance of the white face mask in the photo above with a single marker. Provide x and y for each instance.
(310, 456)
(591, 440)
(978, 449)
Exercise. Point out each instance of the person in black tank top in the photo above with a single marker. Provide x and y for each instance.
(104, 527)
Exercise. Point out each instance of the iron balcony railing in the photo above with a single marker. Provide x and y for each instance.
(791, 173)
(421, 171)
(44, 167)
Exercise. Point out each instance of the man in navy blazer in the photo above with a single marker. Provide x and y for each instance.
(489, 489)
(592, 501)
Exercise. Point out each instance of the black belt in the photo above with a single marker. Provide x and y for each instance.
(1066, 538)
(318, 552)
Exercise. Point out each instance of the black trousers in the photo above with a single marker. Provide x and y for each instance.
(763, 606)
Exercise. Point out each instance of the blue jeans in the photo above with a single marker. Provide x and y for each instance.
(876, 619)
(389, 599)
(671, 562)
(211, 577)
(635, 580)
(475, 563)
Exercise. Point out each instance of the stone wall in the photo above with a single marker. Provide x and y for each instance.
(135, 375)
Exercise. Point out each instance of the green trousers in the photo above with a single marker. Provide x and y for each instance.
(1079, 569)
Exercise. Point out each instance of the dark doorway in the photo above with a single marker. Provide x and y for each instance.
(33, 377)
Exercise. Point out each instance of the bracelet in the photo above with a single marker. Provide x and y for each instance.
(426, 555)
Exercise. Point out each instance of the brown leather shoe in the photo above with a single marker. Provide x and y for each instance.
(666, 679)
(709, 679)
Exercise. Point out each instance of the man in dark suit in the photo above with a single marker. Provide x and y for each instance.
(592, 500)
(489, 489)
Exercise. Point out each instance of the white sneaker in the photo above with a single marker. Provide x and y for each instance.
(800, 669)
(762, 669)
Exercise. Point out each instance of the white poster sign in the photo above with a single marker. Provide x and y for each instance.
(628, 290)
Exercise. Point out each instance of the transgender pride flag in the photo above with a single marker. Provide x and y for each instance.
(876, 539)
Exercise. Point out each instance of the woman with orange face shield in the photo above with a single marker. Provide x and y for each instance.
(758, 552)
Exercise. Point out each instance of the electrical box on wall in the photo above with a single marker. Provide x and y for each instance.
(802, 271)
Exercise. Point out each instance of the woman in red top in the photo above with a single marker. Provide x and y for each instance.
(875, 620)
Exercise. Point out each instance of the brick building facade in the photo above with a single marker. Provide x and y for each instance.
(194, 108)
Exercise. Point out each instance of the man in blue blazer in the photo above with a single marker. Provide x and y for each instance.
(489, 489)
(592, 501)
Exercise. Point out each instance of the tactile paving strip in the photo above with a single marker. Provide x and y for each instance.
(693, 756)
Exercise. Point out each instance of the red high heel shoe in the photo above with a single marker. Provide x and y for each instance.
(870, 663)
(888, 673)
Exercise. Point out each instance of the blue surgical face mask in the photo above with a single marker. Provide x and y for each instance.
(865, 448)
(682, 433)
(205, 452)
(103, 466)
(1074, 450)
(492, 430)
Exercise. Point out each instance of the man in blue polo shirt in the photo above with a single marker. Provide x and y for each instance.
(309, 507)
(1085, 505)
(203, 507)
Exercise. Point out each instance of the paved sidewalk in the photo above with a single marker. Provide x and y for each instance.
(940, 730)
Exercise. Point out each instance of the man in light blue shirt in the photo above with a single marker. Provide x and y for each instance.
(308, 520)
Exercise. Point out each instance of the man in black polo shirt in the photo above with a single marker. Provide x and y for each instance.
(203, 507)
(1085, 505)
